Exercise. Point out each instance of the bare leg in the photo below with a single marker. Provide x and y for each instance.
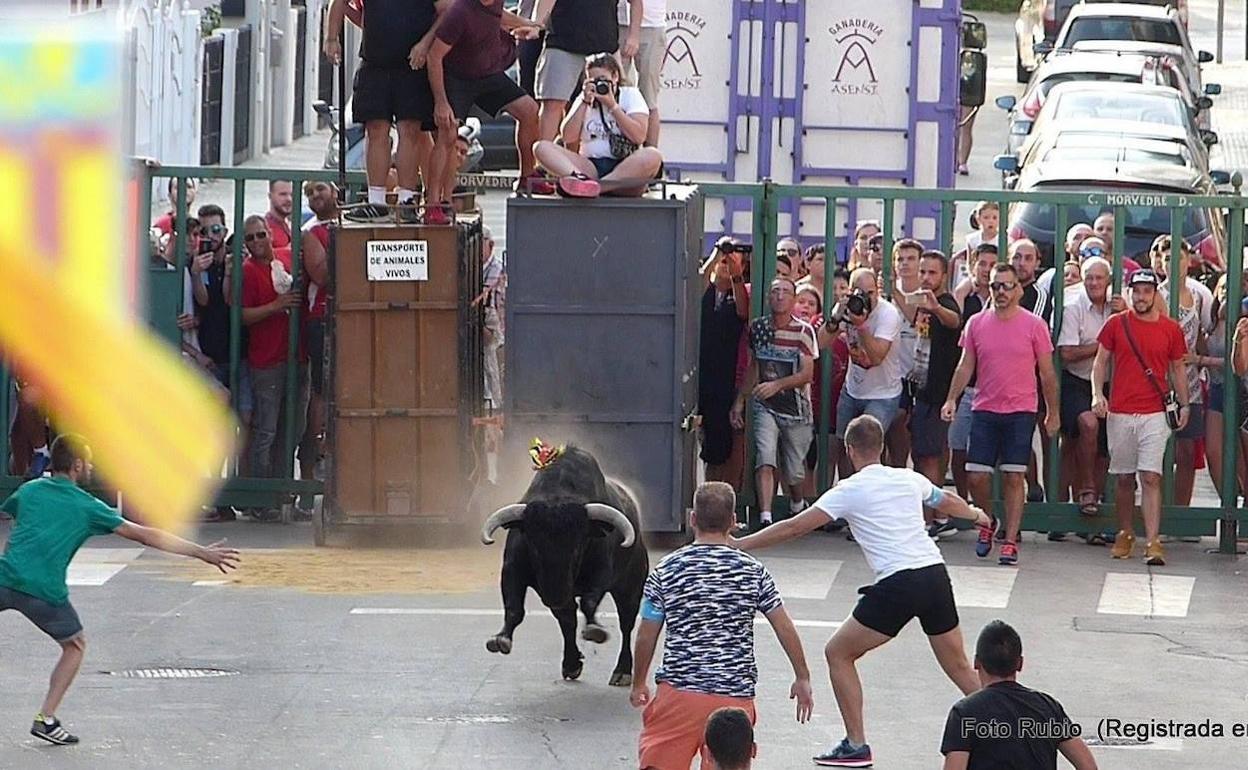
(1184, 470)
(957, 459)
(850, 642)
(377, 151)
(1150, 504)
(64, 673)
(1015, 496)
(1085, 451)
(897, 440)
(766, 486)
(525, 111)
(980, 485)
(652, 128)
(550, 118)
(560, 161)
(1213, 447)
(952, 658)
(1124, 502)
(635, 172)
(930, 468)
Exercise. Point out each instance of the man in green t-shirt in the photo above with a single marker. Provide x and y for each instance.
(54, 517)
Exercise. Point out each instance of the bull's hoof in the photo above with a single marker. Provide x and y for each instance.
(621, 679)
(574, 672)
(498, 644)
(594, 633)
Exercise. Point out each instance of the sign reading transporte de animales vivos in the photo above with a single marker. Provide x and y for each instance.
(398, 260)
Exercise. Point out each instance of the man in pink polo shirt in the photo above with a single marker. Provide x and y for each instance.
(1004, 349)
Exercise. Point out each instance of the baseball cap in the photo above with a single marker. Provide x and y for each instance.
(1145, 276)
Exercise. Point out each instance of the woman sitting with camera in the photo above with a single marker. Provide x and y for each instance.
(601, 136)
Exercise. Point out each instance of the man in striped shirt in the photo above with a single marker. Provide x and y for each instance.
(780, 366)
(706, 594)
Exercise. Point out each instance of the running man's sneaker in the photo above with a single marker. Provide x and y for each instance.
(1124, 542)
(52, 732)
(1009, 554)
(373, 213)
(1154, 554)
(983, 543)
(942, 529)
(843, 756)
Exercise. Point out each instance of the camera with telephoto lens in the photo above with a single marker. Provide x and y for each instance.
(602, 86)
(1172, 410)
(857, 303)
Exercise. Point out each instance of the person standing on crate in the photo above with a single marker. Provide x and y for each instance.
(391, 88)
(468, 62)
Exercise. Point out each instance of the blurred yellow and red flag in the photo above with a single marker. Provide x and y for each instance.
(158, 431)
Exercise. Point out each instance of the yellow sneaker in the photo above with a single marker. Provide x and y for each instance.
(1123, 544)
(1154, 555)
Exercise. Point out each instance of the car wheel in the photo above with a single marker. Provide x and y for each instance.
(1021, 73)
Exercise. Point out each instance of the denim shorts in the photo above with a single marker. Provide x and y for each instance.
(781, 444)
(882, 409)
(1000, 441)
(960, 429)
(929, 435)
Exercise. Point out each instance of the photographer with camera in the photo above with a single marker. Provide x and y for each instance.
(725, 309)
(1144, 345)
(602, 138)
(873, 383)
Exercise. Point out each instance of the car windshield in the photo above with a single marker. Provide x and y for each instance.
(1122, 28)
(1107, 105)
(1083, 77)
(1105, 154)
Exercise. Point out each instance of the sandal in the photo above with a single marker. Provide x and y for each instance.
(579, 186)
(1088, 505)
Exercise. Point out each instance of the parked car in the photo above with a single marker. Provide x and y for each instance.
(1104, 162)
(1177, 71)
(1129, 109)
(1102, 22)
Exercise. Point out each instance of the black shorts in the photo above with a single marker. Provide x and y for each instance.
(59, 621)
(491, 94)
(929, 434)
(392, 94)
(1077, 399)
(925, 593)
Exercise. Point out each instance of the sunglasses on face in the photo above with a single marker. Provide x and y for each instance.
(258, 236)
(214, 229)
(1002, 286)
(1092, 251)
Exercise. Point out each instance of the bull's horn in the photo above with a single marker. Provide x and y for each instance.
(603, 512)
(501, 518)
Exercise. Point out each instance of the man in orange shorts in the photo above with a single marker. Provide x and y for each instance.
(706, 594)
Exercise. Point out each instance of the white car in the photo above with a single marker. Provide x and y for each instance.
(1097, 24)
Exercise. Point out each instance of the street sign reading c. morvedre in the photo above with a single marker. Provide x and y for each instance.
(1137, 199)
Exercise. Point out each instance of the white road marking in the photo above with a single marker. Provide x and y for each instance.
(1143, 594)
(982, 586)
(96, 566)
(1156, 744)
(211, 583)
(484, 613)
(803, 578)
(91, 574)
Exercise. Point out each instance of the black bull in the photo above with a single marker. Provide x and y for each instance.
(574, 535)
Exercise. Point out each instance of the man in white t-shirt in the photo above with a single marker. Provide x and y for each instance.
(643, 44)
(873, 382)
(884, 507)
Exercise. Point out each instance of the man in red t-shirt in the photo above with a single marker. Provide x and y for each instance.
(1144, 346)
(270, 294)
(277, 218)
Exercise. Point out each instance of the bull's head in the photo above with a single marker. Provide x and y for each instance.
(556, 536)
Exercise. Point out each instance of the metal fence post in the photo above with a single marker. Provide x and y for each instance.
(1231, 446)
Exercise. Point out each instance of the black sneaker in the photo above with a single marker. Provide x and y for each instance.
(408, 215)
(374, 213)
(52, 733)
(842, 755)
(942, 529)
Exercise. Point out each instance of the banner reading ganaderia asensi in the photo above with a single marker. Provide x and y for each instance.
(158, 431)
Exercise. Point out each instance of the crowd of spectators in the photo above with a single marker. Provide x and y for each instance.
(956, 361)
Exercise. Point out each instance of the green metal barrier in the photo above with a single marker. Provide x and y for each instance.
(1226, 218)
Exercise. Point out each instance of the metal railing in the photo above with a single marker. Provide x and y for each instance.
(1225, 215)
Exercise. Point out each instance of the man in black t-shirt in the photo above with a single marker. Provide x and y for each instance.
(1005, 724)
(391, 86)
(937, 322)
